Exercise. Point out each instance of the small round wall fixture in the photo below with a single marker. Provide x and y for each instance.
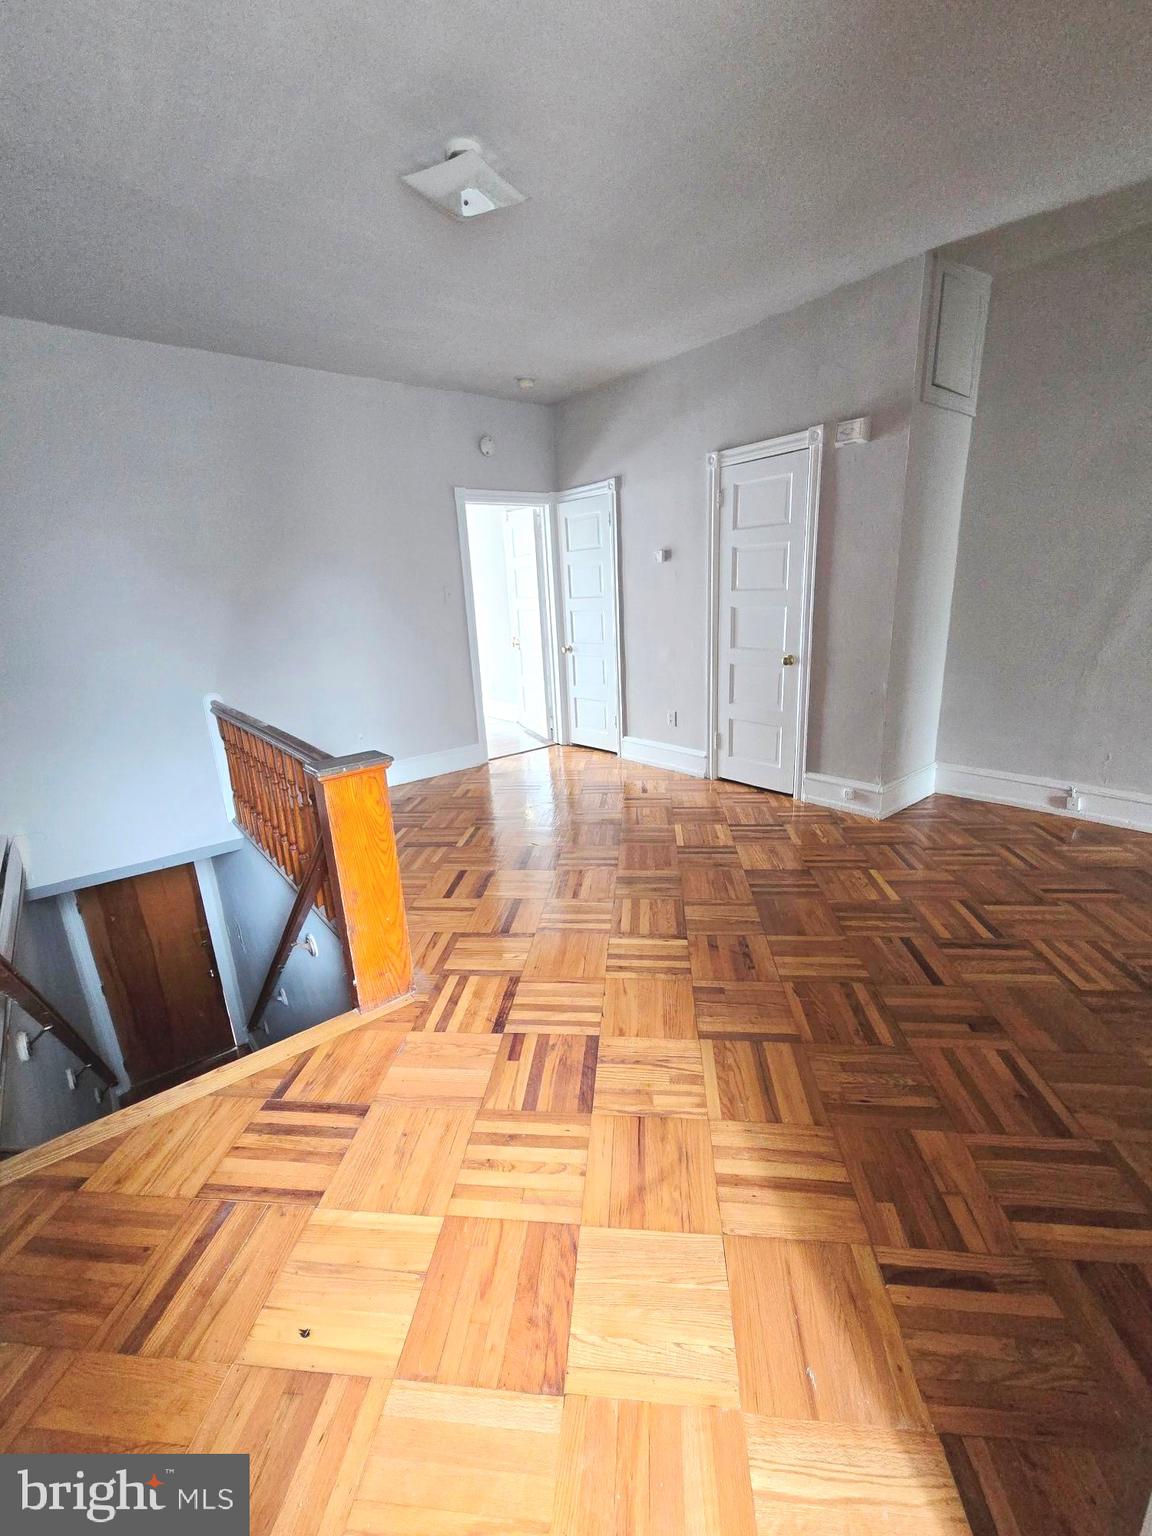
(487, 446)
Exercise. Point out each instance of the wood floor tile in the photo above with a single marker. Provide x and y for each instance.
(816, 1479)
(61, 1281)
(701, 1091)
(652, 1319)
(289, 1150)
(652, 1172)
(808, 959)
(523, 1168)
(876, 1087)
(348, 1070)
(991, 1349)
(649, 917)
(1029, 1488)
(448, 1461)
(472, 1005)
(696, 1461)
(556, 1007)
(846, 1013)
(1108, 1095)
(494, 956)
(567, 955)
(759, 1080)
(174, 1156)
(1066, 1198)
(728, 957)
(344, 1299)
(784, 1181)
(494, 1312)
(403, 1158)
(816, 1337)
(443, 1069)
(120, 1404)
(631, 956)
(307, 1436)
(544, 1074)
(201, 1293)
(921, 1189)
(650, 1077)
(660, 1007)
(762, 1008)
(995, 1089)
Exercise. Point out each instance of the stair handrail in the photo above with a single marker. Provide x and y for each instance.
(17, 986)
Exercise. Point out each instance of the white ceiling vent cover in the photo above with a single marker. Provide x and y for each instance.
(464, 184)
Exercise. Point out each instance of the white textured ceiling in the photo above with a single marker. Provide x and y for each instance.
(225, 173)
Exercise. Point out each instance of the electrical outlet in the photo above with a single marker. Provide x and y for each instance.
(671, 717)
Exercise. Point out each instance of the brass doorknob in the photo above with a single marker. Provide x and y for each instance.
(789, 661)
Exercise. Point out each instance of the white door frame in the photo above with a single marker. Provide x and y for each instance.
(547, 503)
(595, 488)
(811, 438)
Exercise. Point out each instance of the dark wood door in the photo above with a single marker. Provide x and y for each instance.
(151, 945)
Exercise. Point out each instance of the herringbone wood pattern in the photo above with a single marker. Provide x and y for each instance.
(739, 1167)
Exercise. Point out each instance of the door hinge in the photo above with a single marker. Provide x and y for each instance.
(718, 739)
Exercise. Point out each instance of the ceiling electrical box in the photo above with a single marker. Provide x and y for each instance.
(464, 184)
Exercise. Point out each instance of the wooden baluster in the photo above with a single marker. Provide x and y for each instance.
(356, 817)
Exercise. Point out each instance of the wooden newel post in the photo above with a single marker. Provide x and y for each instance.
(360, 841)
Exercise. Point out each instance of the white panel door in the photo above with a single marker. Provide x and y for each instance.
(586, 540)
(763, 520)
(522, 558)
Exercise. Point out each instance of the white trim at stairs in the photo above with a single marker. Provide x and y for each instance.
(1057, 797)
(407, 769)
(659, 754)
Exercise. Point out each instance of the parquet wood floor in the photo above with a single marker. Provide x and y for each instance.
(739, 1169)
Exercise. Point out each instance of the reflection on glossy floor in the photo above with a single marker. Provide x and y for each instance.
(506, 738)
(741, 1168)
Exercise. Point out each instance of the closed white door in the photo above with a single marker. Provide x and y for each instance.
(761, 573)
(522, 554)
(586, 537)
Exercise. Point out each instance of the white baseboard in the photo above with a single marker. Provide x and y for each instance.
(900, 793)
(861, 798)
(1092, 802)
(405, 770)
(854, 795)
(659, 754)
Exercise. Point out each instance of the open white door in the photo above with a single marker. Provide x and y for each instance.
(763, 573)
(590, 667)
(523, 555)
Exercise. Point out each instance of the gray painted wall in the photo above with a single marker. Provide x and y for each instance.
(1049, 666)
(177, 523)
(256, 900)
(849, 354)
(38, 1103)
(933, 494)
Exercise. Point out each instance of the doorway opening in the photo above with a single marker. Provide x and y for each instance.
(505, 548)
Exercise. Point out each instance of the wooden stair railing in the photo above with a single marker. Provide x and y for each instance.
(37, 1007)
(326, 823)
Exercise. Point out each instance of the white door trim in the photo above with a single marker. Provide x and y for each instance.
(595, 488)
(546, 501)
(811, 438)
